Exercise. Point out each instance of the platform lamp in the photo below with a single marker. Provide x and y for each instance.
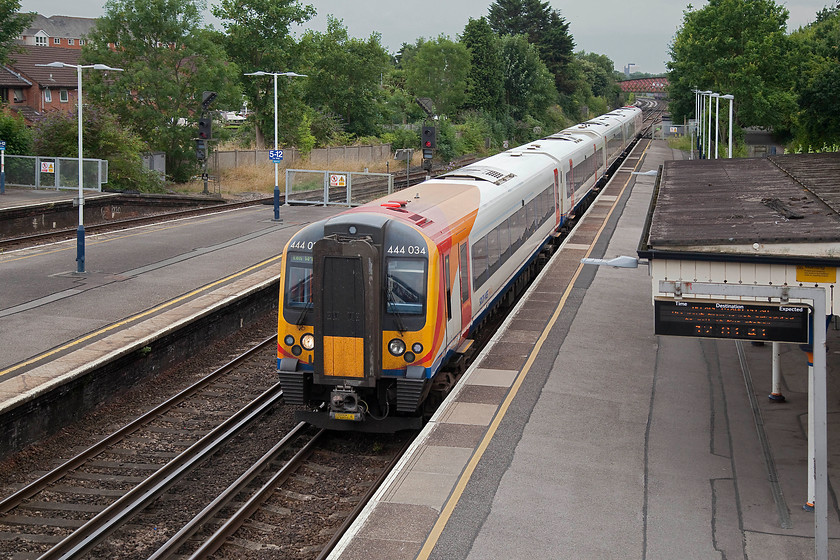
(717, 121)
(80, 232)
(276, 163)
(704, 125)
(731, 99)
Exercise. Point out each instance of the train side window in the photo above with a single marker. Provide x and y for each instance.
(479, 259)
(463, 265)
(504, 240)
(493, 250)
(518, 227)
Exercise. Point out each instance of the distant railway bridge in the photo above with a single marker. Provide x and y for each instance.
(655, 87)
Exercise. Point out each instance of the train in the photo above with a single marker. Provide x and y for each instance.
(379, 304)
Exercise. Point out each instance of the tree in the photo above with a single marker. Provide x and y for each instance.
(17, 136)
(257, 37)
(344, 76)
(739, 48)
(439, 71)
(818, 82)
(12, 24)
(543, 27)
(169, 60)
(485, 82)
(529, 86)
(104, 138)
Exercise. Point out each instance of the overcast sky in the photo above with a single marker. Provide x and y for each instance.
(622, 30)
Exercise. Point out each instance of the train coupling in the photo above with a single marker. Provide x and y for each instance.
(346, 405)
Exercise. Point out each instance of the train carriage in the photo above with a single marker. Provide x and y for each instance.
(377, 301)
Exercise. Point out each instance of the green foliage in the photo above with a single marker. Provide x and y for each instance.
(439, 71)
(57, 135)
(169, 59)
(486, 79)
(17, 136)
(12, 24)
(402, 138)
(818, 82)
(257, 37)
(344, 76)
(740, 48)
(543, 27)
(529, 86)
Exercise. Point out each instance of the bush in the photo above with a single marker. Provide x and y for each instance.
(18, 138)
(57, 135)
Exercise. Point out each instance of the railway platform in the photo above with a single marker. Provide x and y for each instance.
(580, 434)
(140, 285)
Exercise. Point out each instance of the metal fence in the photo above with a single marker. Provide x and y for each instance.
(227, 159)
(336, 188)
(39, 172)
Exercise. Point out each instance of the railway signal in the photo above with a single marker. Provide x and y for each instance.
(205, 127)
(427, 137)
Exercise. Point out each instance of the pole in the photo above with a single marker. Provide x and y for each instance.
(731, 101)
(701, 140)
(709, 129)
(80, 232)
(717, 123)
(776, 390)
(276, 163)
(3, 171)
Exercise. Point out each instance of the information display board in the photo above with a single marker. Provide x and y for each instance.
(728, 319)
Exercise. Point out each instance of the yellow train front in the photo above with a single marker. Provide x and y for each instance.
(358, 334)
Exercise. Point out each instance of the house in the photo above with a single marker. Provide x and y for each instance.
(31, 90)
(57, 31)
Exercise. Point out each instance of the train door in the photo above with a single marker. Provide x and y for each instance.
(464, 284)
(453, 298)
(557, 199)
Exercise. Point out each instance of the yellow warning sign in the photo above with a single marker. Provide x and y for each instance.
(816, 274)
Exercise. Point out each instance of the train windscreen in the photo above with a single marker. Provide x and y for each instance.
(406, 286)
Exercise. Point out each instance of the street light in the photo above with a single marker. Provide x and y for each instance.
(704, 127)
(80, 233)
(731, 99)
(717, 121)
(276, 163)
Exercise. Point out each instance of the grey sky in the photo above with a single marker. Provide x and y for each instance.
(622, 30)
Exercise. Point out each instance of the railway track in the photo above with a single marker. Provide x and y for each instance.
(184, 478)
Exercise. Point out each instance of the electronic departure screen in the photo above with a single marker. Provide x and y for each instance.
(728, 319)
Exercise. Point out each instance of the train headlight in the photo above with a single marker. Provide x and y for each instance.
(308, 341)
(409, 357)
(416, 347)
(396, 347)
(289, 340)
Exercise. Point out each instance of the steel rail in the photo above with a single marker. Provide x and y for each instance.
(141, 496)
(194, 525)
(244, 513)
(60, 471)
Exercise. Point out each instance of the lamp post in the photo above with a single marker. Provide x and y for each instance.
(276, 163)
(709, 128)
(706, 125)
(80, 232)
(717, 121)
(731, 99)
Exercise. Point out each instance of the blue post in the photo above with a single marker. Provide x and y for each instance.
(276, 203)
(2, 182)
(80, 249)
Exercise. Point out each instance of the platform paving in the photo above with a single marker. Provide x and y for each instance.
(581, 434)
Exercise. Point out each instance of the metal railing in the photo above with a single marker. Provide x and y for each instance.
(41, 172)
(335, 188)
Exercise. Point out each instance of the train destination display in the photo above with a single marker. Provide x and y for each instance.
(728, 319)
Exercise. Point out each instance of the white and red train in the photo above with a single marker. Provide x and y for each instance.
(377, 300)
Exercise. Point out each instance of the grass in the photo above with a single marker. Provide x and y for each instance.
(260, 178)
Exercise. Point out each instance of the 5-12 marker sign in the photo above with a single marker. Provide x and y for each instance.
(275, 155)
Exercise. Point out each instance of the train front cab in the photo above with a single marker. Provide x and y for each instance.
(373, 345)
